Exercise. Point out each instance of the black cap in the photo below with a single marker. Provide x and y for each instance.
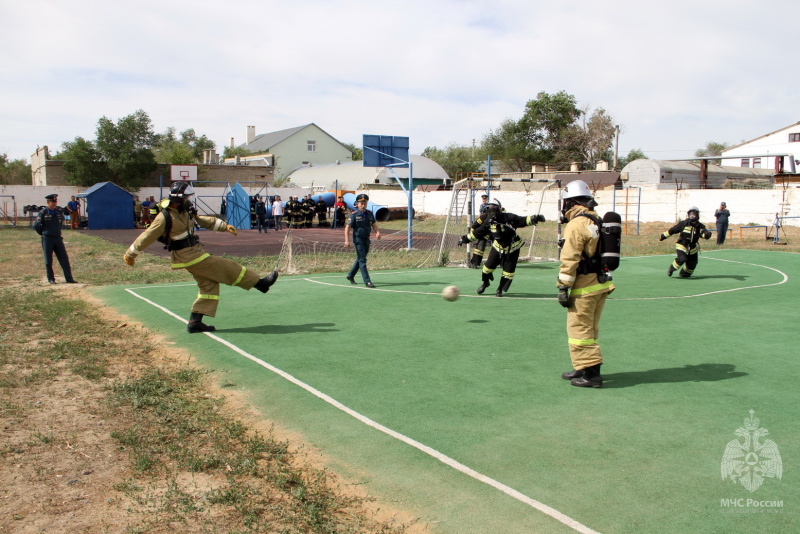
(51, 197)
(484, 195)
(362, 196)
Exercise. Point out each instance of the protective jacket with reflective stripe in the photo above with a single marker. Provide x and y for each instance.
(182, 227)
(581, 236)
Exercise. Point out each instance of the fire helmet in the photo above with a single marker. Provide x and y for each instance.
(180, 190)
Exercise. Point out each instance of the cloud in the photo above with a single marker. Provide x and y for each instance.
(674, 75)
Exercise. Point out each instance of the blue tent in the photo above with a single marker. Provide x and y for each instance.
(108, 207)
(237, 206)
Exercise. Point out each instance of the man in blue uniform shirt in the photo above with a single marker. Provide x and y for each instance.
(360, 223)
(48, 225)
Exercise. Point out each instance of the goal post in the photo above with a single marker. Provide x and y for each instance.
(521, 196)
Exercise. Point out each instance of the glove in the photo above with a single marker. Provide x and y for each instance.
(538, 218)
(662, 237)
(463, 241)
(128, 259)
(707, 234)
(230, 229)
(563, 296)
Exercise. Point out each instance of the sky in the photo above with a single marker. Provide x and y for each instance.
(674, 75)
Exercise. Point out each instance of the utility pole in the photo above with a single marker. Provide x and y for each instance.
(473, 148)
(616, 146)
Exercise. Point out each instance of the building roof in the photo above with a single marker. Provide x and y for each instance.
(595, 180)
(265, 142)
(760, 137)
(352, 174)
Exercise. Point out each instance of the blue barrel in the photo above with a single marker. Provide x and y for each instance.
(381, 213)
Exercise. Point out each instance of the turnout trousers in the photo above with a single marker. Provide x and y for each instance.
(212, 271)
(583, 329)
(685, 260)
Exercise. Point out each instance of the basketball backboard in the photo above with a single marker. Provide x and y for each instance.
(385, 150)
(184, 173)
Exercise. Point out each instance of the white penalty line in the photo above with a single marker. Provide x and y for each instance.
(511, 492)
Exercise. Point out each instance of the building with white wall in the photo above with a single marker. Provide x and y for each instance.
(292, 148)
(778, 151)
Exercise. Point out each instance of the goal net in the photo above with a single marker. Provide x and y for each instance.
(520, 196)
(434, 237)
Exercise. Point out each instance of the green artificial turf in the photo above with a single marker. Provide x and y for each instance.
(478, 380)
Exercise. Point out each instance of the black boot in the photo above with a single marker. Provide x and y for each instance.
(265, 283)
(505, 283)
(196, 324)
(591, 378)
(577, 373)
(670, 270)
(487, 280)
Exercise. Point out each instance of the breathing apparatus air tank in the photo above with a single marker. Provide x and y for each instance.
(612, 242)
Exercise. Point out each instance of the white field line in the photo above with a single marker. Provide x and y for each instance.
(511, 492)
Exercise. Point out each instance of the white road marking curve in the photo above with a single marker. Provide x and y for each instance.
(785, 278)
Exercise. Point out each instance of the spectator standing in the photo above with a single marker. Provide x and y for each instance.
(722, 215)
(48, 225)
(74, 208)
(277, 212)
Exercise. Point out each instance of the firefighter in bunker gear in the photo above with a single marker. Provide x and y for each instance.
(687, 248)
(579, 289)
(175, 227)
(499, 228)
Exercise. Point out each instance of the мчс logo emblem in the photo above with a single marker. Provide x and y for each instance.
(752, 459)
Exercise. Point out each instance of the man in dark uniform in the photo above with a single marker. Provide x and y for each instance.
(499, 227)
(309, 208)
(175, 227)
(48, 225)
(261, 214)
(322, 213)
(360, 223)
(480, 245)
(690, 231)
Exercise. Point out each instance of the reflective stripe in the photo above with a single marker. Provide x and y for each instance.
(209, 297)
(179, 237)
(189, 264)
(567, 279)
(582, 342)
(592, 289)
(132, 251)
(681, 247)
(507, 274)
(220, 225)
(241, 275)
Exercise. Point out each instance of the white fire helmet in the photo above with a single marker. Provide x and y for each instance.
(575, 189)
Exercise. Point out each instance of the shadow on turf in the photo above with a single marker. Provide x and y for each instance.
(738, 277)
(704, 372)
(283, 329)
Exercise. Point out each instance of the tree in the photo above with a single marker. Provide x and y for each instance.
(167, 149)
(455, 159)
(633, 155)
(198, 144)
(126, 147)
(587, 141)
(550, 132)
(358, 154)
(81, 162)
(712, 149)
(232, 152)
(510, 145)
(14, 172)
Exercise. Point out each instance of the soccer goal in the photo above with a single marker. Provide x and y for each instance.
(521, 196)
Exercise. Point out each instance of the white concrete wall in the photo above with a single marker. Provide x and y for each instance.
(746, 206)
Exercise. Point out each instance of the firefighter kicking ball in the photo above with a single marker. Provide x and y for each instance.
(450, 293)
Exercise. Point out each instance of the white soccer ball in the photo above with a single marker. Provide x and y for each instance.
(450, 293)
